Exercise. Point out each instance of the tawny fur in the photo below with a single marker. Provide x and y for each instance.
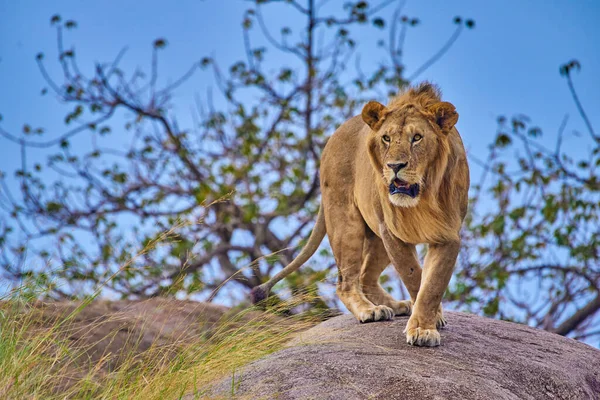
(368, 227)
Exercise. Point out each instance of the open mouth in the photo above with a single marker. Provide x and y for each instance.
(398, 186)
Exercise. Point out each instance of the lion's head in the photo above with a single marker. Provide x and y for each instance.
(408, 143)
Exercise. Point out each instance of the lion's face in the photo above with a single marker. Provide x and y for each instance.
(405, 143)
(407, 147)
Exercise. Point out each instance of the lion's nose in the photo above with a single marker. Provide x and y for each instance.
(397, 167)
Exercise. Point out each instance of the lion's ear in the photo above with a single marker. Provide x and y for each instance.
(372, 113)
(445, 115)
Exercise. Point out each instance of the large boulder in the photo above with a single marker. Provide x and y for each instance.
(122, 328)
(479, 358)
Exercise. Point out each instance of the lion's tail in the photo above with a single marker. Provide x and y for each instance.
(261, 292)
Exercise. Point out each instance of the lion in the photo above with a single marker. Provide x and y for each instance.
(393, 177)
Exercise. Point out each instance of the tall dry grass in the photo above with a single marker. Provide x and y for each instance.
(39, 359)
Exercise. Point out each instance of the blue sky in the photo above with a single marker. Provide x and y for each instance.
(507, 65)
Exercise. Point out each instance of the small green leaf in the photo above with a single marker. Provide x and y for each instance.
(285, 75)
(120, 178)
(53, 207)
(491, 308)
(535, 131)
(498, 224)
(67, 54)
(503, 140)
(583, 164)
(160, 43)
(379, 22)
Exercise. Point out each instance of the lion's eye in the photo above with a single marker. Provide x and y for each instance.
(385, 138)
(417, 137)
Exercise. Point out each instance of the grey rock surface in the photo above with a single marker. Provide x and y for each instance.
(479, 358)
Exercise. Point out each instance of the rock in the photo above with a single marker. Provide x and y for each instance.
(120, 328)
(104, 334)
(479, 358)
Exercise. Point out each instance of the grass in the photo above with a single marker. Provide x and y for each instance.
(38, 359)
(42, 355)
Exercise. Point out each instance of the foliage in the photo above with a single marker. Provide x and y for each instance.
(38, 359)
(532, 239)
(253, 154)
(126, 171)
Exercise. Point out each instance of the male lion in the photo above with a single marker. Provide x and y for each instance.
(394, 177)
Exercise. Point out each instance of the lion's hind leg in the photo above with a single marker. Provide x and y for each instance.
(375, 261)
(347, 243)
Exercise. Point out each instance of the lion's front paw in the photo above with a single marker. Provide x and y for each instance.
(423, 337)
(376, 313)
(419, 333)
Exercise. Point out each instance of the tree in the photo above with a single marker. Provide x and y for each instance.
(226, 202)
(241, 186)
(531, 244)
